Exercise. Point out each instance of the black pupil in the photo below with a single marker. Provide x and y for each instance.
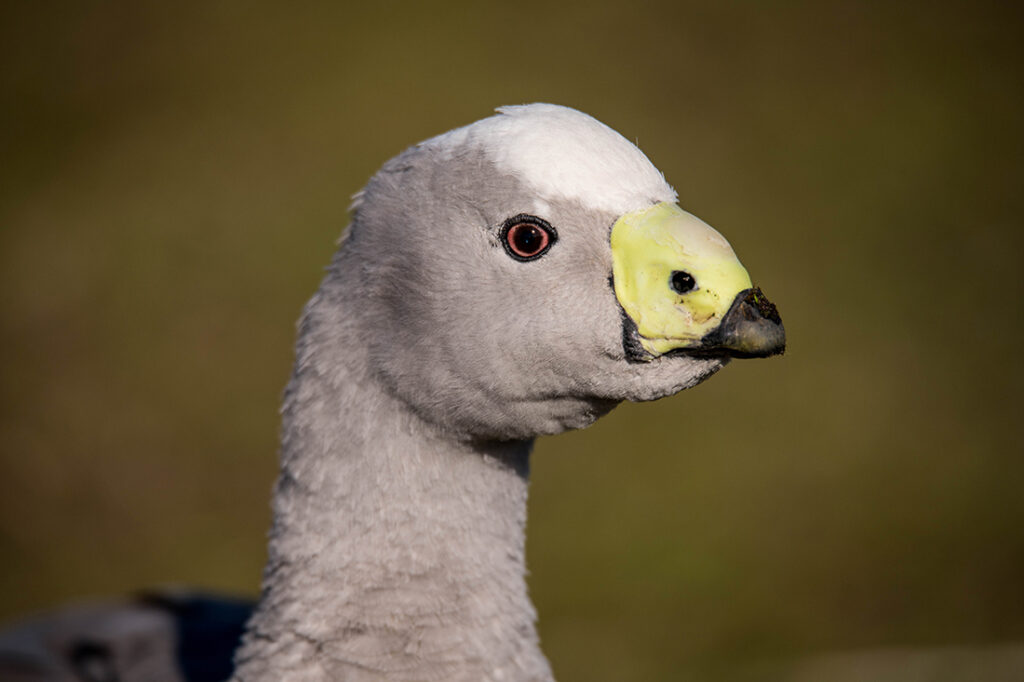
(682, 282)
(527, 238)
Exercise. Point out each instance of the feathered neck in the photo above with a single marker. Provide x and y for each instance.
(397, 551)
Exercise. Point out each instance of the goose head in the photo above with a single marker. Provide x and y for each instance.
(513, 278)
(522, 275)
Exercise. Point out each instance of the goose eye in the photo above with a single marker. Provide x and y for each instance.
(527, 237)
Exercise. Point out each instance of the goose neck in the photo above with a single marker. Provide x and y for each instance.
(397, 551)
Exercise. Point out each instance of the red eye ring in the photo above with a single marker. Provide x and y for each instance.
(527, 237)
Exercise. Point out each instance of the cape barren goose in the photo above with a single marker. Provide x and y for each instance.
(516, 277)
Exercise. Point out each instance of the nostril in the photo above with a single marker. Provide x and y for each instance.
(682, 282)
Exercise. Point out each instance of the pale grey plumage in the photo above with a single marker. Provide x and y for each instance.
(426, 364)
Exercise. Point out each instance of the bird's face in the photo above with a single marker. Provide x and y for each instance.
(527, 273)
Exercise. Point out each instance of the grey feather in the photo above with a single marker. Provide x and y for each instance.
(426, 364)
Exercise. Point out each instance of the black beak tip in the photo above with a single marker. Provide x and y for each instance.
(752, 328)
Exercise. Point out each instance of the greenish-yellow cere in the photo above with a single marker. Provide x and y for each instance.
(647, 247)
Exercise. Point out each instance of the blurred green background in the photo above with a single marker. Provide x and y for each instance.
(174, 177)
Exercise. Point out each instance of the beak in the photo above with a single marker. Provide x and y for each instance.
(751, 329)
(684, 290)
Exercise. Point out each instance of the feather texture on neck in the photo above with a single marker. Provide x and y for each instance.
(397, 551)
